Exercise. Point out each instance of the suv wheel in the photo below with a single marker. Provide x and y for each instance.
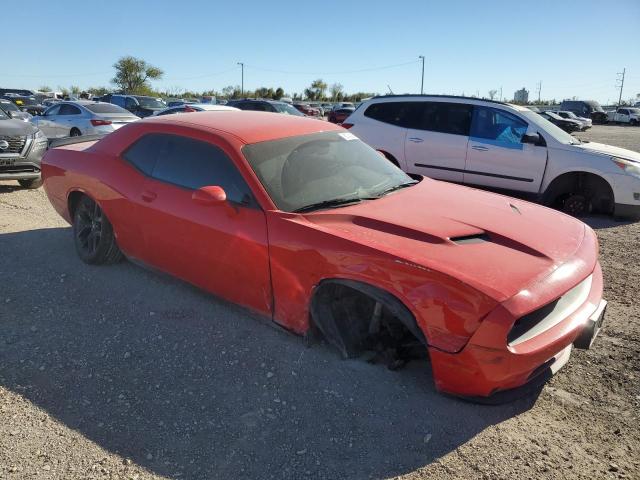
(75, 132)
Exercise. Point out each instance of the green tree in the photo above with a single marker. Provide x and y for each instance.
(319, 88)
(44, 88)
(132, 75)
(98, 91)
(336, 90)
(279, 93)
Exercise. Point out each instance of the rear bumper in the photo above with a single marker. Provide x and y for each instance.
(481, 370)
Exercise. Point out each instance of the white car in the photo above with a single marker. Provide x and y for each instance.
(586, 122)
(194, 107)
(630, 115)
(82, 117)
(499, 146)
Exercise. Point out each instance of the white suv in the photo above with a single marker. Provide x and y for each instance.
(499, 146)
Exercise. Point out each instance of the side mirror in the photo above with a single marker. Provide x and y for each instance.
(209, 196)
(533, 139)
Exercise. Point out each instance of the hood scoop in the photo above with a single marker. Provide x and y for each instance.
(466, 239)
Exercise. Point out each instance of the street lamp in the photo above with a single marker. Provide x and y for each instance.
(422, 82)
(242, 84)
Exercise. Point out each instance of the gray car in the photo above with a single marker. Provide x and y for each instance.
(13, 111)
(83, 117)
(22, 146)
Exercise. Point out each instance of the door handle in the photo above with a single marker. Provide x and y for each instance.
(416, 140)
(479, 148)
(149, 196)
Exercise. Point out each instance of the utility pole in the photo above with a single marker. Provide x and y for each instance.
(242, 79)
(621, 86)
(539, 90)
(422, 82)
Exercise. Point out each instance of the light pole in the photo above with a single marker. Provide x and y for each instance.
(242, 79)
(422, 82)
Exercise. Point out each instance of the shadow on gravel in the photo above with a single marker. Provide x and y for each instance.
(598, 222)
(191, 387)
(4, 188)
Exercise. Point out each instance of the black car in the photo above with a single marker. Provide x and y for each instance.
(565, 124)
(259, 105)
(26, 103)
(140, 105)
(585, 108)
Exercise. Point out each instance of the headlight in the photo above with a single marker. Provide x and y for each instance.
(629, 166)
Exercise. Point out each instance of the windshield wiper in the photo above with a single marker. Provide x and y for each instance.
(397, 187)
(335, 202)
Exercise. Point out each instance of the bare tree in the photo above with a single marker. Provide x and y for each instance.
(492, 94)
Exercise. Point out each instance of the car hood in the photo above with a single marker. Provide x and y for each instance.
(14, 126)
(603, 149)
(496, 244)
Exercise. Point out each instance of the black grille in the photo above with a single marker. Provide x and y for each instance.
(16, 143)
(18, 169)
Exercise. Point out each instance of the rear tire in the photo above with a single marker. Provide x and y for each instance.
(93, 234)
(75, 132)
(31, 183)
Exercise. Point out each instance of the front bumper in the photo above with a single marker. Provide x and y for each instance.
(23, 166)
(490, 367)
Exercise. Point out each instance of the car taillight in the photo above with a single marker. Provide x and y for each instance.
(96, 123)
(347, 125)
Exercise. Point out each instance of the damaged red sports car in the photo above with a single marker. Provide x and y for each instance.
(297, 219)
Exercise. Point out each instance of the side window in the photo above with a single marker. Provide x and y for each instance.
(497, 125)
(452, 118)
(260, 107)
(66, 109)
(129, 103)
(194, 164)
(144, 153)
(116, 100)
(393, 113)
(52, 111)
(247, 106)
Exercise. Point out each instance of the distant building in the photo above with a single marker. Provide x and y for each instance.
(521, 96)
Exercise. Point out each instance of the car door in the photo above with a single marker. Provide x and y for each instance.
(68, 118)
(496, 156)
(47, 121)
(221, 248)
(622, 115)
(436, 140)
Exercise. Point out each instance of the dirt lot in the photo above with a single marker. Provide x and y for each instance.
(117, 372)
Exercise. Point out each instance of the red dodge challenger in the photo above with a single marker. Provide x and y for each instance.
(299, 220)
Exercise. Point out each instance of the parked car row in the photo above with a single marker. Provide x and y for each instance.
(628, 115)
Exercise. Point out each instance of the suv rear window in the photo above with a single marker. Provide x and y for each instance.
(452, 118)
(393, 113)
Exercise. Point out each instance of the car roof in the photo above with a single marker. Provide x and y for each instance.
(452, 97)
(248, 126)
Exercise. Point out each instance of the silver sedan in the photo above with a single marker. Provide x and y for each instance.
(71, 119)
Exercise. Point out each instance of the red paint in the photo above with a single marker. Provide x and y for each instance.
(465, 298)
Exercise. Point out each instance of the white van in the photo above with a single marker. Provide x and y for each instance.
(500, 146)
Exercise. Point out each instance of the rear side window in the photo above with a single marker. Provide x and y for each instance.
(452, 118)
(118, 101)
(193, 164)
(393, 113)
(66, 109)
(144, 153)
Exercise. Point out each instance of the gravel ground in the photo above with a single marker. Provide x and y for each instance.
(120, 373)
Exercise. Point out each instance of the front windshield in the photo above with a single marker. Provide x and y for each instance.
(287, 109)
(150, 102)
(549, 128)
(634, 110)
(310, 169)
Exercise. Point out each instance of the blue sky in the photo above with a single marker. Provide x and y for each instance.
(574, 47)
